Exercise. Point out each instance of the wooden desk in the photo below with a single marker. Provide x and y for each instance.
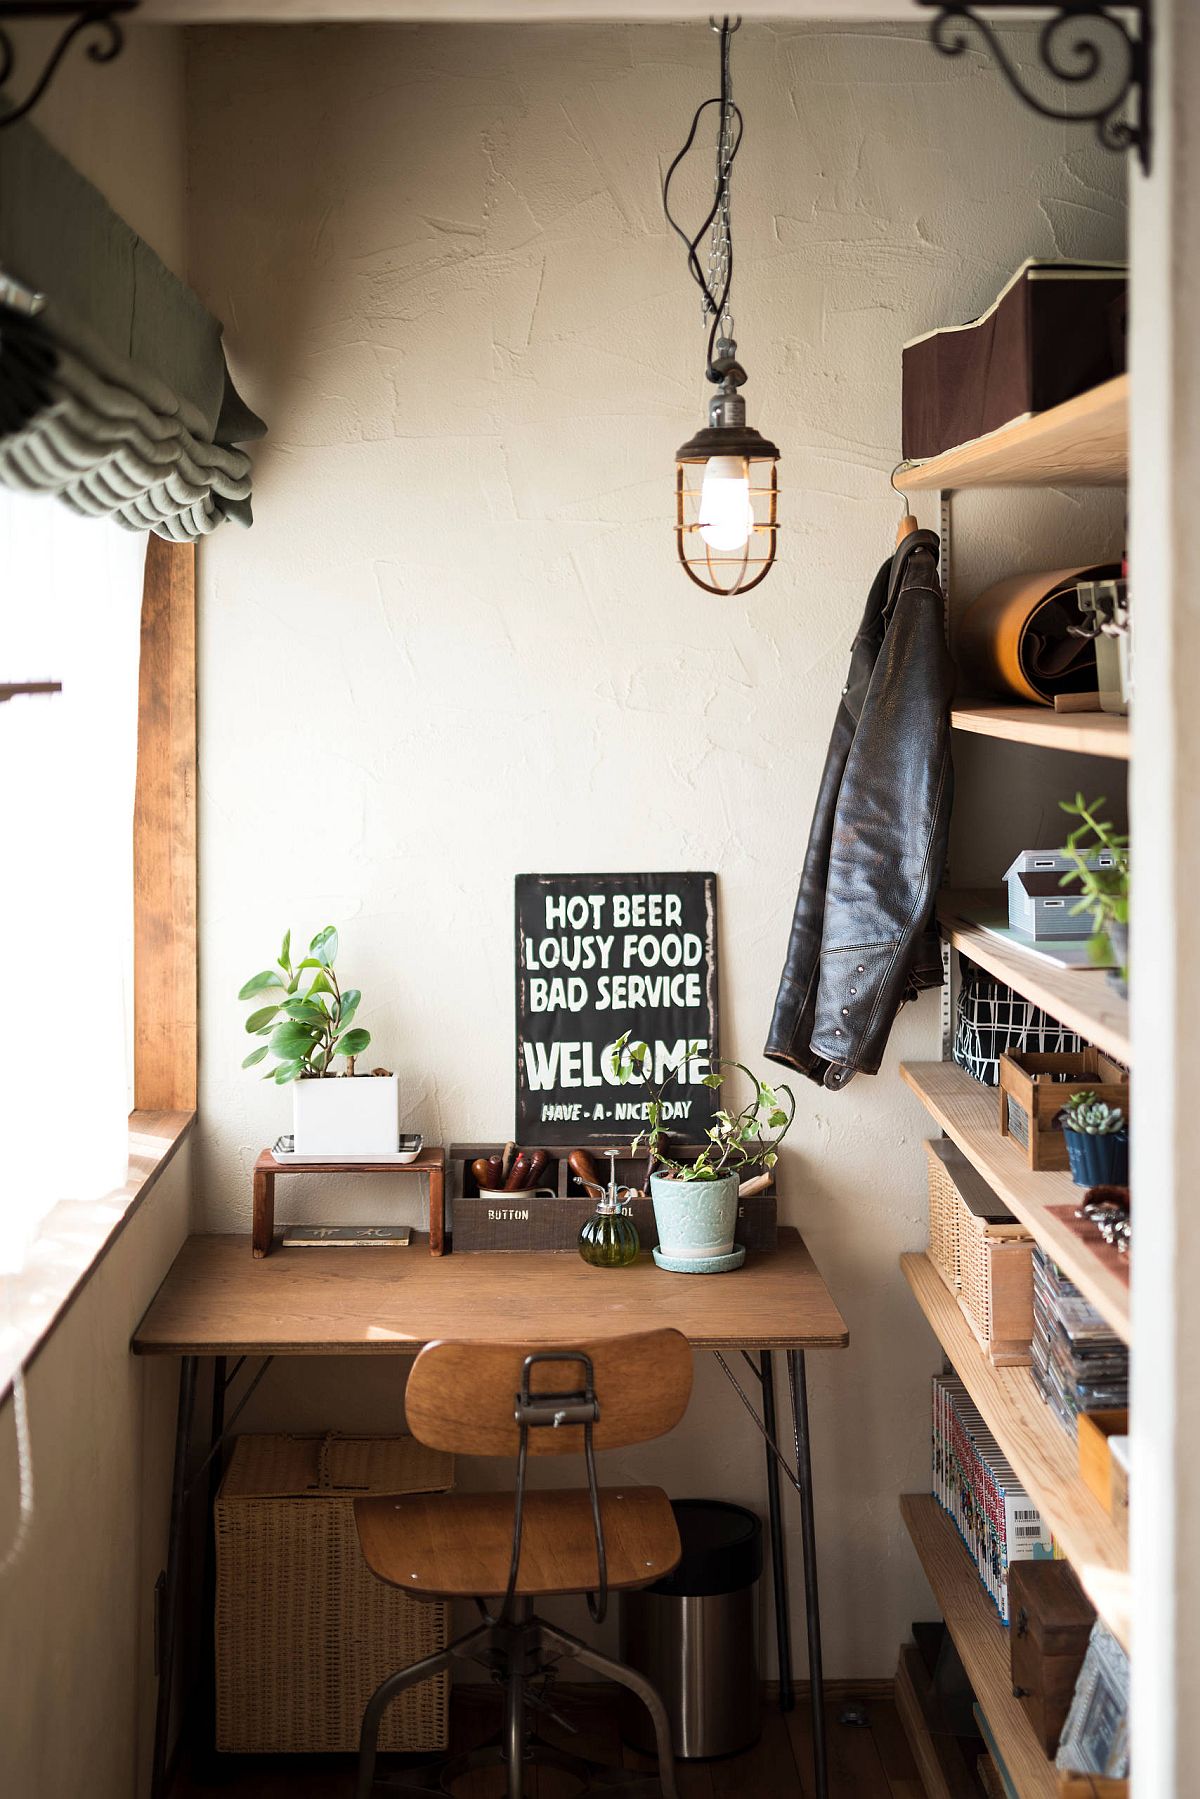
(217, 1301)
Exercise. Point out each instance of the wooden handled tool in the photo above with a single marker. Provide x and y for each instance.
(518, 1174)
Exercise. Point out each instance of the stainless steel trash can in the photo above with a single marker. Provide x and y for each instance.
(694, 1635)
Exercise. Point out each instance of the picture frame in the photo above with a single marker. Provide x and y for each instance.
(1095, 1737)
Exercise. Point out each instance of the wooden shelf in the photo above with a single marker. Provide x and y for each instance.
(1080, 998)
(1082, 443)
(981, 1641)
(1043, 1454)
(1084, 733)
(969, 1115)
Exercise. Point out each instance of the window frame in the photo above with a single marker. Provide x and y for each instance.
(77, 1236)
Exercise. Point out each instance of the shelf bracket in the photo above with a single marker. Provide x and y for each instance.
(100, 20)
(1100, 48)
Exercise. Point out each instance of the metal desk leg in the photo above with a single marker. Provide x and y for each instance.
(207, 1736)
(783, 1633)
(812, 1611)
(175, 1560)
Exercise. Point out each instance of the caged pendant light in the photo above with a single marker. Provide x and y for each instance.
(726, 490)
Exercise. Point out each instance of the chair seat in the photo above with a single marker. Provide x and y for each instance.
(458, 1545)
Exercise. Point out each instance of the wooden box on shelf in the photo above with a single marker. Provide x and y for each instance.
(1096, 1464)
(1034, 1089)
(1048, 1637)
(1091, 1786)
(983, 1254)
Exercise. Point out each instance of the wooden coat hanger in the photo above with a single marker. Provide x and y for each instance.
(908, 523)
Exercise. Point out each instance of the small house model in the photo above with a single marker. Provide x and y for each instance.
(1039, 906)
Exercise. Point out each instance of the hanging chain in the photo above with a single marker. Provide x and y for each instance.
(722, 227)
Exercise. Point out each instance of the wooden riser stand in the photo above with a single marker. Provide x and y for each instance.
(431, 1162)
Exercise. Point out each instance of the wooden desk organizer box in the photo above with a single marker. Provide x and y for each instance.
(555, 1223)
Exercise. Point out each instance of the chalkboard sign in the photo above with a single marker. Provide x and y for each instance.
(598, 955)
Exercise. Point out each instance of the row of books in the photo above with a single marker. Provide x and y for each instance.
(1079, 1363)
(976, 1485)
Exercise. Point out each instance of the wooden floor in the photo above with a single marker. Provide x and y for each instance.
(865, 1762)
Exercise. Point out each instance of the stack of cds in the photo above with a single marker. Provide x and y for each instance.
(1079, 1364)
(976, 1485)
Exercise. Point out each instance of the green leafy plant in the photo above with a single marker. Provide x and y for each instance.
(737, 1141)
(306, 1023)
(1091, 1117)
(1103, 892)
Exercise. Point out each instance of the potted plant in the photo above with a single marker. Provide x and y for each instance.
(696, 1202)
(1097, 1141)
(1104, 891)
(306, 1018)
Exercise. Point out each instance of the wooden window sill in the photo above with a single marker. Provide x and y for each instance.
(75, 1238)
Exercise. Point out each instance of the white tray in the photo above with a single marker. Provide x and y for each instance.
(413, 1145)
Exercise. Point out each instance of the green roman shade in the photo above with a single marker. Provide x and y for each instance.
(114, 390)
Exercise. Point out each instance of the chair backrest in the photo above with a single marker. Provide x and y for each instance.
(462, 1396)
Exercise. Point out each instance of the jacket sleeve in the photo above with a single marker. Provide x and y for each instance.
(792, 1020)
(890, 833)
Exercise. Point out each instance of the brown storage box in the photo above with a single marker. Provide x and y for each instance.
(983, 1254)
(304, 1631)
(1034, 1089)
(1107, 1482)
(521, 1224)
(1048, 1637)
(1055, 330)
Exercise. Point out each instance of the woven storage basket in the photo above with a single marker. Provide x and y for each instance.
(304, 1631)
(983, 1255)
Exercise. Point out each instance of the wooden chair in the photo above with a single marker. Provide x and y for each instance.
(499, 1400)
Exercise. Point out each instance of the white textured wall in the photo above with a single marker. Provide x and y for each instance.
(455, 644)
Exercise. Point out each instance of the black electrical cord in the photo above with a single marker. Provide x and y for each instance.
(713, 303)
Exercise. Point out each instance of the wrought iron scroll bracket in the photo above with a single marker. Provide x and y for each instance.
(1101, 49)
(98, 25)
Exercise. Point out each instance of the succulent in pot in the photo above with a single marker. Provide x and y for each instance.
(1097, 1139)
(306, 1020)
(696, 1202)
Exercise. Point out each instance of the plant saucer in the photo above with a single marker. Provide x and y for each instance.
(702, 1264)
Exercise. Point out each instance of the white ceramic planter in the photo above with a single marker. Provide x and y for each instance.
(347, 1115)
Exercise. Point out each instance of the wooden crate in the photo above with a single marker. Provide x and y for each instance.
(1093, 1429)
(514, 1223)
(983, 1254)
(1034, 1089)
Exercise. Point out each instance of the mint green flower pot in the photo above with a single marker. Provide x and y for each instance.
(696, 1219)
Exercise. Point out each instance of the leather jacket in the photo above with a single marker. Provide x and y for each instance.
(863, 938)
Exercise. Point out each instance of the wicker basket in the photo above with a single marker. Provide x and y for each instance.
(983, 1255)
(304, 1631)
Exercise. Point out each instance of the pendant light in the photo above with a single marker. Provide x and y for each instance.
(726, 491)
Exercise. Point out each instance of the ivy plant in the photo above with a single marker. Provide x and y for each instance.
(303, 1014)
(1104, 892)
(738, 1141)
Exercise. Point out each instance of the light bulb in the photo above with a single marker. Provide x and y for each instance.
(726, 515)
